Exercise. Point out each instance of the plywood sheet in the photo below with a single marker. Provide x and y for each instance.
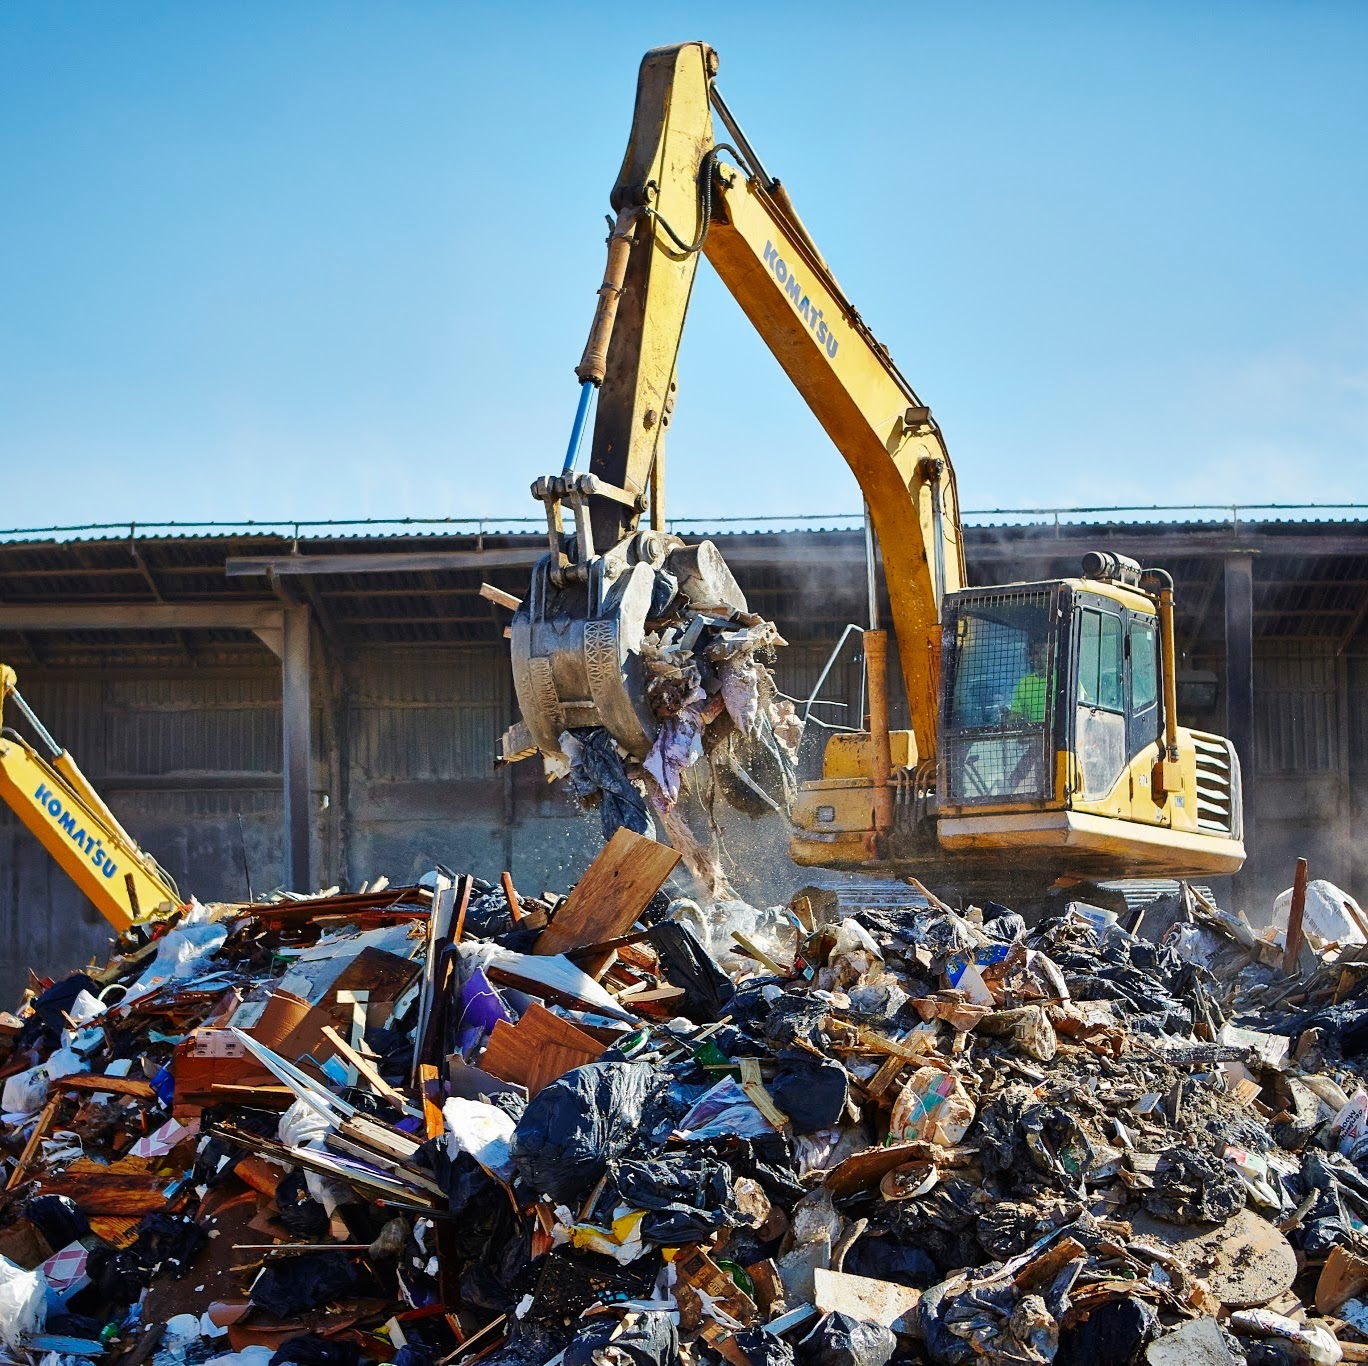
(616, 887)
(538, 1049)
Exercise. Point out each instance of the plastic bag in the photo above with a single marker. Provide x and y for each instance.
(724, 1110)
(688, 1197)
(23, 1302)
(839, 1340)
(179, 957)
(933, 1106)
(25, 1092)
(484, 1131)
(812, 1094)
(651, 1340)
(575, 1126)
(1350, 1126)
(685, 963)
(1314, 1341)
(302, 1125)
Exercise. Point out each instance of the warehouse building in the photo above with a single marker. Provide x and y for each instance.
(265, 709)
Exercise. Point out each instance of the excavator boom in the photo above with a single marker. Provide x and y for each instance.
(677, 192)
(57, 803)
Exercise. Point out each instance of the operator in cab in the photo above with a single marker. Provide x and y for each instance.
(1032, 688)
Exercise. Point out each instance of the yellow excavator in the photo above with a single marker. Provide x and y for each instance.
(1044, 738)
(60, 807)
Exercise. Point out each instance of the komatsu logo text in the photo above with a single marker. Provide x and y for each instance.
(92, 845)
(803, 305)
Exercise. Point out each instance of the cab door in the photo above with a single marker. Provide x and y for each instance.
(1142, 714)
(1101, 732)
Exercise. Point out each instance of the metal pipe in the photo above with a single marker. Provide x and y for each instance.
(938, 533)
(577, 430)
(871, 579)
(737, 136)
(39, 728)
(826, 669)
(876, 658)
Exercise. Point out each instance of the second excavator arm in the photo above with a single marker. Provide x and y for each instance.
(56, 801)
(680, 195)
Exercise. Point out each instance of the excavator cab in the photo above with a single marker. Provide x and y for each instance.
(1058, 753)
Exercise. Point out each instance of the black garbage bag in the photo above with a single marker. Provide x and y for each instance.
(1193, 1187)
(812, 1093)
(311, 1350)
(169, 1243)
(598, 776)
(687, 1196)
(839, 1340)
(1116, 1333)
(686, 963)
(293, 1285)
(115, 1275)
(883, 1259)
(299, 1211)
(652, 1340)
(574, 1127)
(1325, 1224)
(51, 1005)
(764, 1349)
(58, 1218)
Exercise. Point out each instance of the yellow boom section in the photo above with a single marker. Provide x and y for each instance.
(876, 421)
(57, 803)
(676, 197)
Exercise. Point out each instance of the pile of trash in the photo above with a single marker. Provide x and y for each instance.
(449, 1123)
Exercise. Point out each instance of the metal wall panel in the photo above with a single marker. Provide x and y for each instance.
(1295, 712)
(193, 725)
(435, 716)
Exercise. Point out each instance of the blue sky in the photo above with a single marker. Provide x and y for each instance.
(332, 260)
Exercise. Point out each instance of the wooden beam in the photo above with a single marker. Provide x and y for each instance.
(296, 712)
(140, 616)
(382, 562)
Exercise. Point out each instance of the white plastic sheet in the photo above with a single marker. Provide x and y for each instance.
(23, 1302)
(484, 1131)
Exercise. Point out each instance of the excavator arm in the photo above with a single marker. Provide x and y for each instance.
(678, 196)
(55, 800)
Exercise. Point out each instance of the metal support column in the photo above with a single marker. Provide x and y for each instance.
(1239, 676)
(296, 713)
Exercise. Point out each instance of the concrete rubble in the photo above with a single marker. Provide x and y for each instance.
(450, 1123)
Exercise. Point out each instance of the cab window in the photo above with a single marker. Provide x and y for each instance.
(1101, 661)
(1144, 665)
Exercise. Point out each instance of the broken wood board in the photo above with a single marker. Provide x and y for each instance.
(867, 1299)
(119, 1086)
(537, 1050)
(616, 887)
(110, 1192)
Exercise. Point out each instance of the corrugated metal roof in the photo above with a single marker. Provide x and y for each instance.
(1310, 578)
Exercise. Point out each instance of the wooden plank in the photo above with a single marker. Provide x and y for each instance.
(616, 887)
(31, 1147)
(119, 1086)
(538, 1049)
(111, 1193)
(377, 1083)
(432, 1108)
